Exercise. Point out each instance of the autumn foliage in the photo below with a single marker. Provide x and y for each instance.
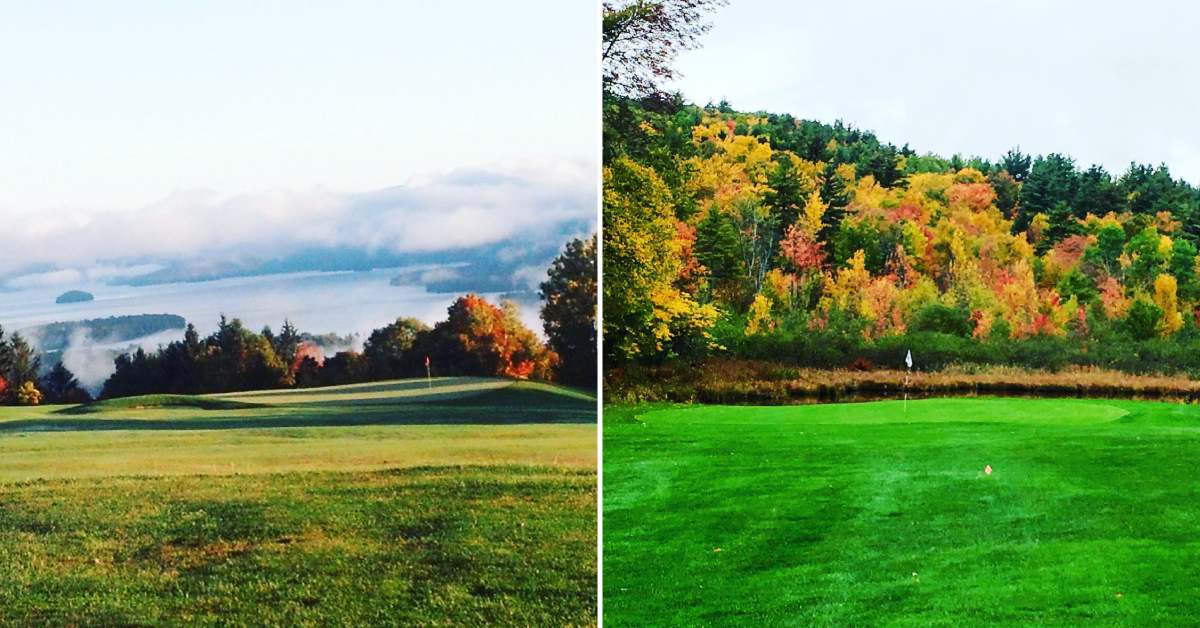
(791, 233)
(479, 338)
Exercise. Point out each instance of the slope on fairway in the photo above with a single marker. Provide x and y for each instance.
(502, 423)
(864, 514)
(452, 400)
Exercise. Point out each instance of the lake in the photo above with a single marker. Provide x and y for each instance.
(318, 302)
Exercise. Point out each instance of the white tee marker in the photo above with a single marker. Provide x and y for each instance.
(987, 468)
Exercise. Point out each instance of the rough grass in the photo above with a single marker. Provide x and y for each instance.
(748, 381)
(427, 546)
(473, 502)
(870, 514)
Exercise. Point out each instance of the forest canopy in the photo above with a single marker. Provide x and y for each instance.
(764, 235)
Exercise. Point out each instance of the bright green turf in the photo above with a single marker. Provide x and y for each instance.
(864, 514)
(471, 503)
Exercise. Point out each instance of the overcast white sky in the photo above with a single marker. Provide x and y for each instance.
(113, 106)
(1105, 82)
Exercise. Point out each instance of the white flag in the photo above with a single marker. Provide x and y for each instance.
(908, 358)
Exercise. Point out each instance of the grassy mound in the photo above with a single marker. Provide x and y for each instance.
(864, 514)
(533, 394)
(448, 401)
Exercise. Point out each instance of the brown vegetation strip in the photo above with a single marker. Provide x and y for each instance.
(744, 381)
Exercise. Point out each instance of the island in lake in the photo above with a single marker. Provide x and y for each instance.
(74, 296)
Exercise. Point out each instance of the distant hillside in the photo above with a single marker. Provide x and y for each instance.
(56, 337)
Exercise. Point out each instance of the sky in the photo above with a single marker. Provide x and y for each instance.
(1104, 82)
(140, 128)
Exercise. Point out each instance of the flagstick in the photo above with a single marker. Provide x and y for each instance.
(908, 362)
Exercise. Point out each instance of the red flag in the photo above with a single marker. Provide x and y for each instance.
(426, 361)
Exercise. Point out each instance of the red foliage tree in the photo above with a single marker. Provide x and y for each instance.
(803, 250)
(479, 338)
(307, 350)
(690, 270)
(975, 196)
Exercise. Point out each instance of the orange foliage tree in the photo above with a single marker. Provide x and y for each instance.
(479, 338)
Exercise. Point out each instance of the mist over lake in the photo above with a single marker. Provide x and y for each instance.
(318, 302)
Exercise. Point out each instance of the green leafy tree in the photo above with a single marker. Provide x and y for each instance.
(1147, 258)
(1079, 285)
(1183, 267)
(569, 311)
(1142, 320)
(388, 350)
(1103, 256)
(943, 319)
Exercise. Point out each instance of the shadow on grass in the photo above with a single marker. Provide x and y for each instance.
(438, 385)
(411, 415)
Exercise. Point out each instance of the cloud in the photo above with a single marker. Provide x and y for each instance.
(460, 209)
(530, 276)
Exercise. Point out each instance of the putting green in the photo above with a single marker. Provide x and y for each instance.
(868, 514)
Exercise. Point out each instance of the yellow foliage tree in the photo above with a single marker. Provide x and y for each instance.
(736, 168)
(881, 308)
(845, 290)
(814, 212)
(29, 395)
(1166, 299)
(643, 309)
(780, 287)
(1038, 227)
(760, 319)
